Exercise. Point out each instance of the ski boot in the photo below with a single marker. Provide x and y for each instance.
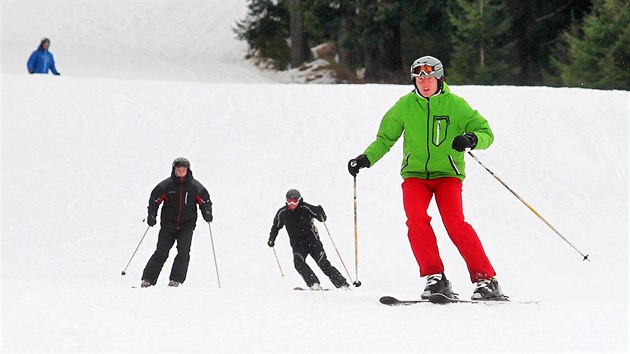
(437, 283)
(316, 287)
(488, 289)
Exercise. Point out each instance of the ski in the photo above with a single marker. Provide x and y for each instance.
(306, 289)
(392, 301)
(442, 299)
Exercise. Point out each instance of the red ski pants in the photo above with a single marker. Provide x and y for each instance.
(417, 194)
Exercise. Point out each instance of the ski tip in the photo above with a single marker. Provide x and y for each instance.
(388, 300)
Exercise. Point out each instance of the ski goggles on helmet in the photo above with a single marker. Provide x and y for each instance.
(293, 201)
(425, 69)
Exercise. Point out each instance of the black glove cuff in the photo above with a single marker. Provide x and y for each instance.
(473, 139)
(363, 161)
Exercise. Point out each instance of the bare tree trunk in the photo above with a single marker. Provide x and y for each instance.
(392, 51)
(370, 60)
(344, 53)
(482, 57)
(299, 46)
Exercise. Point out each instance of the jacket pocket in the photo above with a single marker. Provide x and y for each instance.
(440, 129)
(453, 165)
(405, 161)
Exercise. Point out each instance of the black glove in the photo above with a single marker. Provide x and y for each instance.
(465, 141)
(151, 220)
(271, 243)
(358, 163)
(207, 214)
(321, 213)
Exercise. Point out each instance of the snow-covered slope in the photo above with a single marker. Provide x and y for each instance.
(81, 153)
(165, 40)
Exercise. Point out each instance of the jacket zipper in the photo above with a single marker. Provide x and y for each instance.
(179, 212)
(426, 164)
(437, 135)
(45, 63)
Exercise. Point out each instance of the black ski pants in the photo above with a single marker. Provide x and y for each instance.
(313, 246)
(166, 240)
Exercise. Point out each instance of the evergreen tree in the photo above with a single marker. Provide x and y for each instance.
(537, 27)
(266, 29)
(380, 39)
(322, 18)
(600, 57)
(482, 51)
(479, 41)
(425, 30)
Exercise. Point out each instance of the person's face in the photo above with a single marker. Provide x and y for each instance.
(427, 85)
(46, 45)
(181, 171)
(292, 203)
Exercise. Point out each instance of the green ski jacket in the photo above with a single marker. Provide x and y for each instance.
(429, 126)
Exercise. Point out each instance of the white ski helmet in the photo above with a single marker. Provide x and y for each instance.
(427, 66)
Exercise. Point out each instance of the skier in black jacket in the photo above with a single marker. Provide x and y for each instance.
(297, 216)
(181, 194)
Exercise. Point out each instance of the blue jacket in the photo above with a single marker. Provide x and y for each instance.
(41, 61)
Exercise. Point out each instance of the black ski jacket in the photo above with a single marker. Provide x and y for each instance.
(180, 198)
(299, 221)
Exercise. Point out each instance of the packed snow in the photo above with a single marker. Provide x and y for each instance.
(143, 83)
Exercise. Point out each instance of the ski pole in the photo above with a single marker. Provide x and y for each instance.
(357, 283)
(341, 259)
(278, 261)
(214, 255)
(134, 252)
(585, 257)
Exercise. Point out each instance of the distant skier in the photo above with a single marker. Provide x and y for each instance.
(297, 216)
(41, 60)
(181, 194)
(438, 127)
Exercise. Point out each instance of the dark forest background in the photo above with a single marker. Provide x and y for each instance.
(578, 43)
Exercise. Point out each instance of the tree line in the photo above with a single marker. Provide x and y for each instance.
(583, 43)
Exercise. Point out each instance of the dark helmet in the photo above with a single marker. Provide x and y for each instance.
(181, 162)
(294, 194)
(427, 66)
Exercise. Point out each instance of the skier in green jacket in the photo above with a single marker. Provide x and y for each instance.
(438, 127)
